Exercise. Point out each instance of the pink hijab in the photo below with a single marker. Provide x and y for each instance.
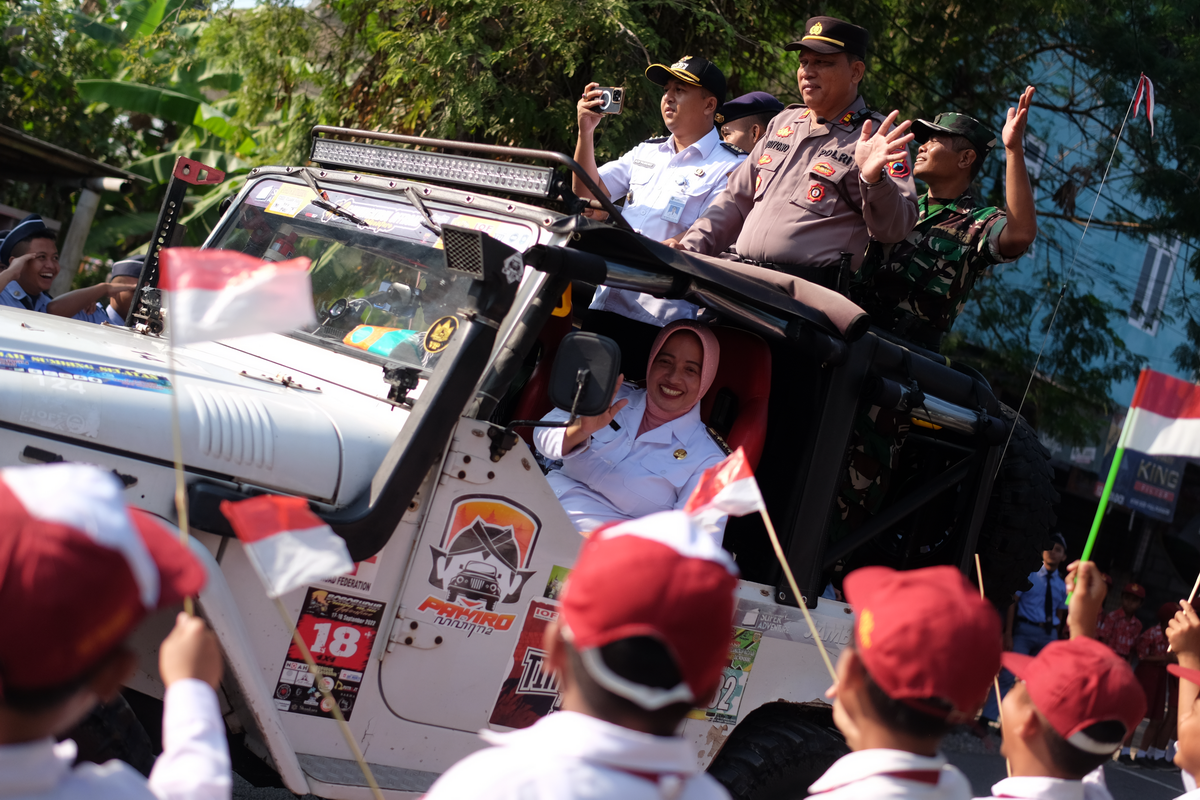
(654, 416)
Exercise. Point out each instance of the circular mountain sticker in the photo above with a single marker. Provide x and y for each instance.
(437, 338)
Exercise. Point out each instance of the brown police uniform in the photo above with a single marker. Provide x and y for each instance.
(799, 201)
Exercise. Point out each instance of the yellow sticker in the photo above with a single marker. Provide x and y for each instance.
(437, 338)
(290, 200)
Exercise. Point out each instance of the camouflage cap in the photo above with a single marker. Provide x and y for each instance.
(952, 123)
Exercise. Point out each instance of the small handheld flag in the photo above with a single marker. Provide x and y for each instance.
(288, 545)
(221, 294)
(1145, 89)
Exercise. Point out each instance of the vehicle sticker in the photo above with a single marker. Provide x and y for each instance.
(530, 691)
(437, 338)
(290, 200)
(787, 623)
(83, 371)
(361, 578)
(466, 618)
(516, 236)
(558, 579)
(339, 631)
(725, 702)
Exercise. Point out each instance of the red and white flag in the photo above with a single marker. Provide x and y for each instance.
(288, 545)
(728, 487)
(1145, 90)
(1164, 418)
(221, 294)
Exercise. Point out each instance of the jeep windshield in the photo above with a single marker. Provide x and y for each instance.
(381, 288)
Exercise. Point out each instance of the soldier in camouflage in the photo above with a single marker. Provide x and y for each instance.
(917, 288)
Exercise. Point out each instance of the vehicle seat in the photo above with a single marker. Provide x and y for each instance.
(744, 375)
(534, 402)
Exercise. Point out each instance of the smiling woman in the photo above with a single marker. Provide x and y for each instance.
(647, 452)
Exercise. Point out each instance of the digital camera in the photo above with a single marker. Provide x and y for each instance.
(611, 99)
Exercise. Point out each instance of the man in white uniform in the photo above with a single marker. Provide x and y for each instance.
(667, 183)
(632, 659)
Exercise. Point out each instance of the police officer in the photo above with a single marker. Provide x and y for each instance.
(667, 182)
(124, 273)
(917, 288)
(827, 175)
(745, 118)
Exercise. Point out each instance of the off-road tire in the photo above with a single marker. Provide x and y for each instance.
(776, 755)
(113, 731)
(1020, 515)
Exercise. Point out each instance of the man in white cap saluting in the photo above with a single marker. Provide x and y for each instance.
(632, 658)
(667, 182)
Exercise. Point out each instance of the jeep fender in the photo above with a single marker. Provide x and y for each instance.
(216, 601)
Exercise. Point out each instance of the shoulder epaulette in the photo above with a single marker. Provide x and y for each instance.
(795, 105)
(716, 437)
(657, 139)
(733, 148)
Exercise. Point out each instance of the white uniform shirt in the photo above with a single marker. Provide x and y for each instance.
(615, 476)
(667, 192)
(571, 756)
(194, 764)
(13, 295)
(1040, 788)
(883, 774)
(1190, 792)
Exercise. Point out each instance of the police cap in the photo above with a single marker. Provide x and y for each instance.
(130, 267)
(832, 35)
(951, 123)
(749, 105)
(692, 70)
(26, 229)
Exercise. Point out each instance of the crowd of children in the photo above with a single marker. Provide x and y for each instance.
(644, 630)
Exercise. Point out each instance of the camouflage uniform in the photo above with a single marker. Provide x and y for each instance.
(918, 287)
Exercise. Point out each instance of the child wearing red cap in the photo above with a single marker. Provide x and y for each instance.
(78, 571)
(1151, 672)
(641, 637)
(925, 650)
(1120, 628)
(1075, 702)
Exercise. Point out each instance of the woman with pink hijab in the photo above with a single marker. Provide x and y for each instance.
(647, 452)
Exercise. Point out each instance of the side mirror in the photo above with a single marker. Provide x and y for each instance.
(585, 373)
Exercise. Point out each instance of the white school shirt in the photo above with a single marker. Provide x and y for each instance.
(571, 756)
(1041, 788)
(617, 475)
(888, 774)
(665, 193)
(194, 764)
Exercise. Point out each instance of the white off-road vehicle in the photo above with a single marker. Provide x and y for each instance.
(442, 285)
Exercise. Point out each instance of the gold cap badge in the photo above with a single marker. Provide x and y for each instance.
(816, 29)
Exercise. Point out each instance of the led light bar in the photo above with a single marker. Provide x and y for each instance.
(477, 172)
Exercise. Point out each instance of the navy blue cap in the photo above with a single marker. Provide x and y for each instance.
(130, 267)
(1058, 538)
(26, 229)
(748, 105)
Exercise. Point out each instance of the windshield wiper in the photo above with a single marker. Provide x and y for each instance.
(323, 201)
(419, 204)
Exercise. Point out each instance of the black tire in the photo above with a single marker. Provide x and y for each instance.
(1020, 515)
(451, 596)
(113, 731)
(776, 754)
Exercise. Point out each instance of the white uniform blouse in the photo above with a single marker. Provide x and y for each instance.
(616, 476)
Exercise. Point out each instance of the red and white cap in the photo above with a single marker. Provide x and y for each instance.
(78, 571)
(1078, 683)
(926, 634)
(660, 576)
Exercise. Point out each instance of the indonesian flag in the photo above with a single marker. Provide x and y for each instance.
(288, 545)
(221, 294)
(728, 487)
(1164, 418)
(1145, 89)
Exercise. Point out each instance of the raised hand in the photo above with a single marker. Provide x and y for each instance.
(190, 651)
(1087, 588)
(1183, 632)
(585, 111)
(1014, 127)
(578, 432)
(874, 152)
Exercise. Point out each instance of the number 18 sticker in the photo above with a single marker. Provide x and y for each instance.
(339, 631)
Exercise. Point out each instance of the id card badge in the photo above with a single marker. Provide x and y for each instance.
(674, 209)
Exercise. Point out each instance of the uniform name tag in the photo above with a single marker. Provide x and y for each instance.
(637, 162)
(674, 209)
